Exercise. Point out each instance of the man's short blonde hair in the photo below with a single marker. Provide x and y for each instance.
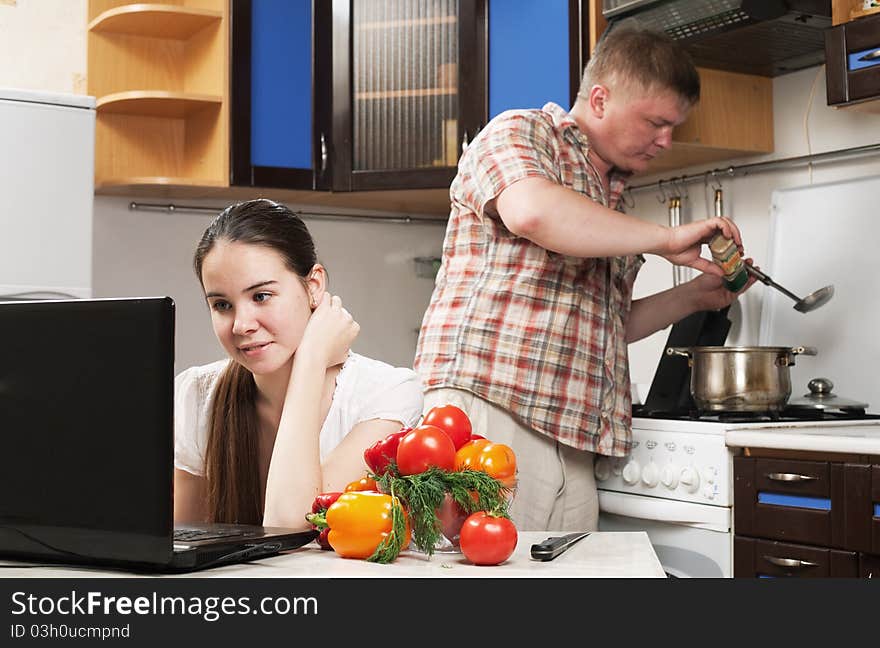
(644, 60)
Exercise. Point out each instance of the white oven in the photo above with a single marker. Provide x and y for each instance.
(676, 485)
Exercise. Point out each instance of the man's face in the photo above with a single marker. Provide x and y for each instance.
(636, 125)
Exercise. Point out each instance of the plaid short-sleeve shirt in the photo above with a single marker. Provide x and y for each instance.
(537, 333)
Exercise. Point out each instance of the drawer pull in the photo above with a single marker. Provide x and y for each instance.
(871, 56)
(789, 477)
(790, 562)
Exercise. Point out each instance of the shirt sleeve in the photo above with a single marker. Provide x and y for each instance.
(515, 145)
(188, 423)
(395, 395)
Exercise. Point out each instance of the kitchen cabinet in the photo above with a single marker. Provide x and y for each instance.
(354, 95)
(806, 514)
(158, 72)
(852, 63)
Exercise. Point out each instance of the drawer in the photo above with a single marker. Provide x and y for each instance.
(790, 500)
(756, 558)
(852, 69)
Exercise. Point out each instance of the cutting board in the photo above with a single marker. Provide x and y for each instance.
(827, 234)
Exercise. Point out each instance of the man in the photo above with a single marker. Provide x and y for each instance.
(528, 325)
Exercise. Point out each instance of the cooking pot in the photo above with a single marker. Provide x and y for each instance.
(740, 379)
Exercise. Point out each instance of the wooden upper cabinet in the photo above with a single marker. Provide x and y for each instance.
(159, 75)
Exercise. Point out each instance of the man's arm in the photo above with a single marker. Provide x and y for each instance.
(564, 221)
(657, 311)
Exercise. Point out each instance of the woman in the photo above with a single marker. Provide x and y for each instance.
(290, 412)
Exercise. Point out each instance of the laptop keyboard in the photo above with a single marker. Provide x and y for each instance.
(189, 535)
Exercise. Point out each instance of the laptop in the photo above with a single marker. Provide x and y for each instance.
(87, 442)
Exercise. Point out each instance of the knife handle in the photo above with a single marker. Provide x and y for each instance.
(554, 545)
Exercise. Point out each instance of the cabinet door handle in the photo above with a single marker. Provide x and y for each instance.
(871, 56)
(789, 477)
(323, 154)
(790, 562)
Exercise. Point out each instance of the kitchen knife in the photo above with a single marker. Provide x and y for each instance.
(555, 545)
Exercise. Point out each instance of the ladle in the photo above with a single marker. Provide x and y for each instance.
(811, 302)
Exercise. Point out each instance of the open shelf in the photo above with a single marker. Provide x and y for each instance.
(156, 20)
(156, 103)
(159, 74)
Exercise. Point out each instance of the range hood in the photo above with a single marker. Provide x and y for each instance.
(764, 37)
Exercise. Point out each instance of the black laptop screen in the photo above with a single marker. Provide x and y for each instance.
(86, 428)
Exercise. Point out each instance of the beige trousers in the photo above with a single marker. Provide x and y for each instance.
(556, 490)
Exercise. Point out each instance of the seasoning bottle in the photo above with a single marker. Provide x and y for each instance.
(727, 256)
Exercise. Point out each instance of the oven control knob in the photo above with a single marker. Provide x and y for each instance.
(709, 475)
(631, 472)
(651, 475)
(669, 476)
(690, 479)
(602, 468)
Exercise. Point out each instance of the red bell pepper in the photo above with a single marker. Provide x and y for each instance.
(318, 517)
(384, 451)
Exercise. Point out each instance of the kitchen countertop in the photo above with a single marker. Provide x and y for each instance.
(859, 437)
(600, 555)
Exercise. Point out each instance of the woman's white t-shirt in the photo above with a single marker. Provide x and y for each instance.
(365, 389)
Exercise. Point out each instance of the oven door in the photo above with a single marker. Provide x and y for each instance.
(691, 540)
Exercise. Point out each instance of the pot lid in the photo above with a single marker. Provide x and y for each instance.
(820, 397)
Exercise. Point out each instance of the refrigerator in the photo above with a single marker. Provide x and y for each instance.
(47, 152)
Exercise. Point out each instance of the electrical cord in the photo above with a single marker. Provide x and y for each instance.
(807, 117)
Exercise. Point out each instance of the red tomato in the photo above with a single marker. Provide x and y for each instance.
(423, 447)
(486, 539)
(451, 420)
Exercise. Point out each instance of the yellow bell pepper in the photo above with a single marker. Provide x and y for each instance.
(359, 521)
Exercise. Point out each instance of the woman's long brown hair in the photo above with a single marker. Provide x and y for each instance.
(231, 460)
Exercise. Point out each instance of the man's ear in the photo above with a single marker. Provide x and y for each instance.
(598, 100)
(316, 284)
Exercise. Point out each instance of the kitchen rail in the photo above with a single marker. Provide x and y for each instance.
(756, 167)
(172, 208)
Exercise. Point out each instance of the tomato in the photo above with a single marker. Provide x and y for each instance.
(486, 539)
(362, 484)
(499, 461)
(496, 459)
(451, 516)
(467, 455)
(423, 447)
(451, 420)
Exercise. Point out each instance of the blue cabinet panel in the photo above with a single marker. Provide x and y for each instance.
(281, 84)
(528, 54)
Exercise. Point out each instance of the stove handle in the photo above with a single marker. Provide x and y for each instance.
(788, 477)
(790, 562)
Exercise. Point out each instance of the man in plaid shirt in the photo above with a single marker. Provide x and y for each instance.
(528, 325)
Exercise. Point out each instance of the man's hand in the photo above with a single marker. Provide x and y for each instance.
(711, 294)
(685, 243)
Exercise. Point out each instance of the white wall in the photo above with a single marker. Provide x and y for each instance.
(370, 263)
(43, 45)
(747, 199)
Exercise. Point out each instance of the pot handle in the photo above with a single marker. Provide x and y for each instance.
(804, 350)
(679, 351)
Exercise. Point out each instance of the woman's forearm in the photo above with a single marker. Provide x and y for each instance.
(295, 476)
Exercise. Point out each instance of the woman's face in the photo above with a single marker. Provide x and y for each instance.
(259, 307)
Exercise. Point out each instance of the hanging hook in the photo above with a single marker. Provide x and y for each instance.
(662, 199)
(716, 183)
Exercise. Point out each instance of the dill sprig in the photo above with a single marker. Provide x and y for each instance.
(392, 544)
(423, 493)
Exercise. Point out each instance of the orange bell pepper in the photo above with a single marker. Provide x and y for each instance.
(359, 521)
